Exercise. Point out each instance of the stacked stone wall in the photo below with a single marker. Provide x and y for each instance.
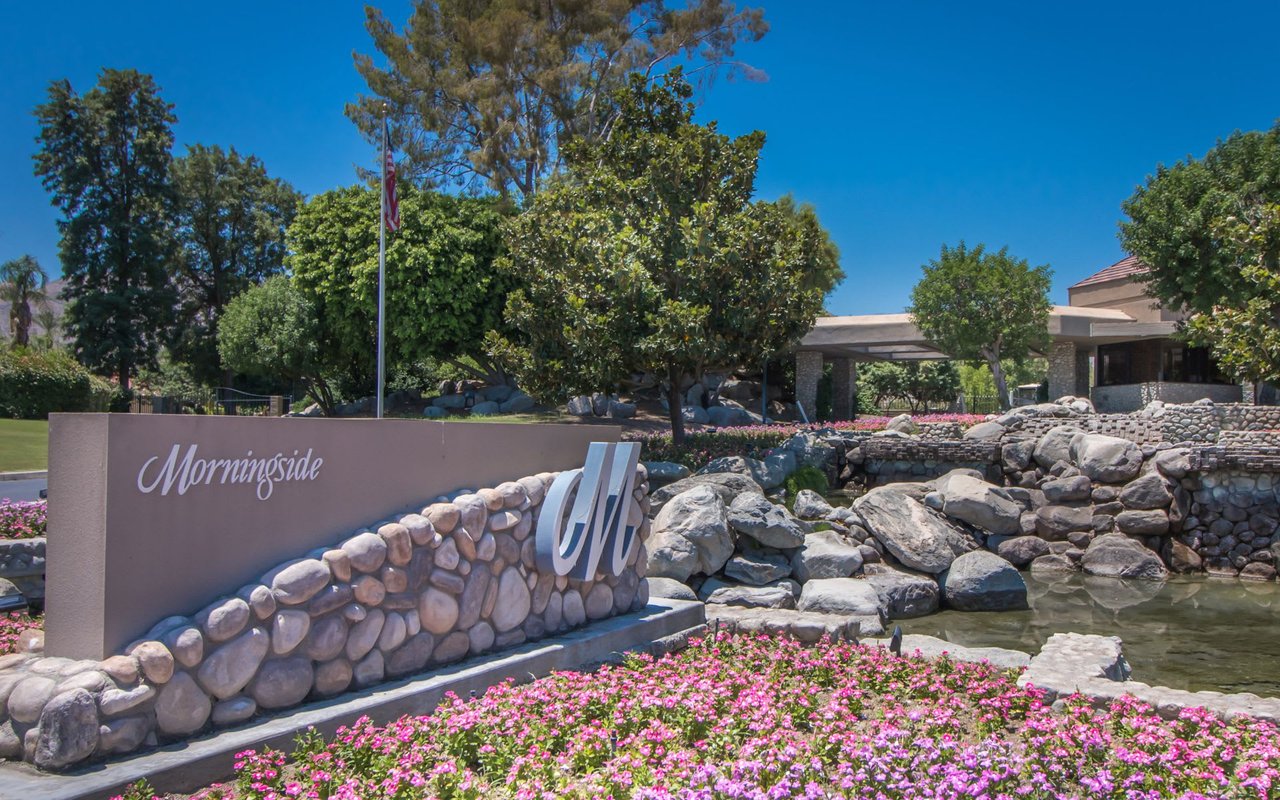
(22, 563)
(1123, 426)
(459, 578)
(1233, 517)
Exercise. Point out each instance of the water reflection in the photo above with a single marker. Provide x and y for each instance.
(1188, 633)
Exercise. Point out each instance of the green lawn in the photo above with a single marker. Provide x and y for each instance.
(24, 444)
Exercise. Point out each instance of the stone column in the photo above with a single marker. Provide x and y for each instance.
(1083, 386)
(1062, 370)
(844, 387)
(808, 373)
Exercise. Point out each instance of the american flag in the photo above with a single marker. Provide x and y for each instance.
(391, 206)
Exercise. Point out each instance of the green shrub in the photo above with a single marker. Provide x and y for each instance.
(810, 478)
(35, 383)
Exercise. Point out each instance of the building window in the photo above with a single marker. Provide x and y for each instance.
(1114, 364)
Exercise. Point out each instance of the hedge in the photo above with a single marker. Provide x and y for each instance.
(35, 383)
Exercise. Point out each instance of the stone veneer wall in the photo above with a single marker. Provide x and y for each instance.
(425, 589)
(22, 563)
(1125, 426)
(892, 459)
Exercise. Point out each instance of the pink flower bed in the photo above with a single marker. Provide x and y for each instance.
(11, 627)
(767, 718)
(22, 520)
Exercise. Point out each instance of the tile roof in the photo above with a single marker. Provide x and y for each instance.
(1124, 268)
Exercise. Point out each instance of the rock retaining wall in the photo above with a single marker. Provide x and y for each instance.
(22, 564)
(457, 579)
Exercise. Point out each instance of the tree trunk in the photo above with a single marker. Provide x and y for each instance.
(673, 402)
(1002, 388)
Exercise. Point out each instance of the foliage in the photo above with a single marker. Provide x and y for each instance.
(757, 441)
(737, 716)
(650, 256)
(104, 156)
(1244, 336)
(22, 285)
(443, 292)
(230, 226)
(811, 478)
(36, 383)
(12, 625)
(916, 383)
(976, 305)
(23, 519)
(272, 331)
(1176, 222)
(484, 95)
(976, 380)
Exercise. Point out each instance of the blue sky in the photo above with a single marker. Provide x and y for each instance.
(908, 124)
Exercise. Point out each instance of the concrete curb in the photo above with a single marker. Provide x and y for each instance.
(188, 766)
(29, 475)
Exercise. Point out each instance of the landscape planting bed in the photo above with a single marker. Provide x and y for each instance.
(743, 717)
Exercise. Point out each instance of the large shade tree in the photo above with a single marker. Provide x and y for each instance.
(482, 94)
(650, 255)
(104, 157)
(443, 292)
(230, 221)
(981, 306)
(22, 286)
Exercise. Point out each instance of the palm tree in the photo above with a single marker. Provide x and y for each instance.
(48, 320)
(22, 284)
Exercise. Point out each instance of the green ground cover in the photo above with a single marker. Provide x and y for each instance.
(24, 444)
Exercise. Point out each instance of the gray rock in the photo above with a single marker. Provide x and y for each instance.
(621, 410)
(230, 668)
(771, 525)
(487, 408)
(983, 581)
(690, 536)
(327, 638)
(758, 569)
(1106, 458)
(1115, 555)
(514, 601)
(411, 656)
(366, 551)
(434, 412)
(282, 682)
(288, 630)
(696, 415)
(581, 406)
(811, 505)
(438, 611)
(519, 403)
(1022, 550)
(903, 423)
(841, 596)
(985, 430)
(979, 503)
(666, 471)
(1143, 523)
(230, 712)
(1055, 445)
(115, 702)
(182, 707)
(903, 594)
(1148, 491)
(123, 735)
(826, 554)
(1063, 490)
(1056, 522)
(68, 730)
(727, 485)
(918, 537)
(449, 401)
(729, 417)
(776, 596)
(226, 619)
(299, 582)
(364, 634)
(1052, 563)
(29, 696)
(668, 588)
(1175, 463)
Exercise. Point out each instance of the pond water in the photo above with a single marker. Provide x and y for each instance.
(1186, 633)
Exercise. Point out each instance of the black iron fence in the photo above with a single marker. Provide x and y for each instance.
(222, 400)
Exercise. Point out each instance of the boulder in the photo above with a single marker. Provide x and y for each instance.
(903, 594)
(661, 472)
(729, 417)
(518, 403)
(841, 596)
(983, 581)
(919, 538)
(668, 588)
(1052, 563)
(690, 536)
(621, 410)
(810, 450)
(1182, 558)
(903, 423)
(826, 554)
(727, 485)
(1056, 522)
(695, 414)
(1148, 491)
(775, 596)
(985, 430)
(1106, 458)
(1143, 523)
(758, 569)
(182, 708)
(487, 408)
(1115, 555)
(980, 504)
(811, 505)
(1066, 490)
(1055, 445)
(68, 730)
(1022, 550)
(580, 406)
(770, 525)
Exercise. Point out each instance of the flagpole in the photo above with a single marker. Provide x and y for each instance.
(382, 267)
